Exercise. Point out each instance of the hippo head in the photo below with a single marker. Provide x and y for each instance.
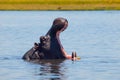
(50, 46)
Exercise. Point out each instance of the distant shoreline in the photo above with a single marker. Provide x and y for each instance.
(60, 5)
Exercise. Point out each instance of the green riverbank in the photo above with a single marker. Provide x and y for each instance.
(59, 4)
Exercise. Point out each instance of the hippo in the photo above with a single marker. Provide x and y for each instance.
(50, 46)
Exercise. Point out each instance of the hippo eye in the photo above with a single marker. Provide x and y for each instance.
(42, 39)
(45, 37)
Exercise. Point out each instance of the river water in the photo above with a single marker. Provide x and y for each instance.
(94, 35)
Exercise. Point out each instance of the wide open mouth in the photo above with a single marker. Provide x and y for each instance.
(65, 26)
(63, 29)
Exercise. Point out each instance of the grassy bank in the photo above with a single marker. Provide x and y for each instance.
(59, 4)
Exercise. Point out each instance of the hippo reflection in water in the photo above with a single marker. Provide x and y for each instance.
(50, 46)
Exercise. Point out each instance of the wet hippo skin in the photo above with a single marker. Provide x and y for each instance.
(50, 46)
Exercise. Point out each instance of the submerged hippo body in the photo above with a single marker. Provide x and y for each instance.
(50, 46)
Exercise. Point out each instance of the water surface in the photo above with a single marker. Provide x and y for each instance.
(94, 35)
